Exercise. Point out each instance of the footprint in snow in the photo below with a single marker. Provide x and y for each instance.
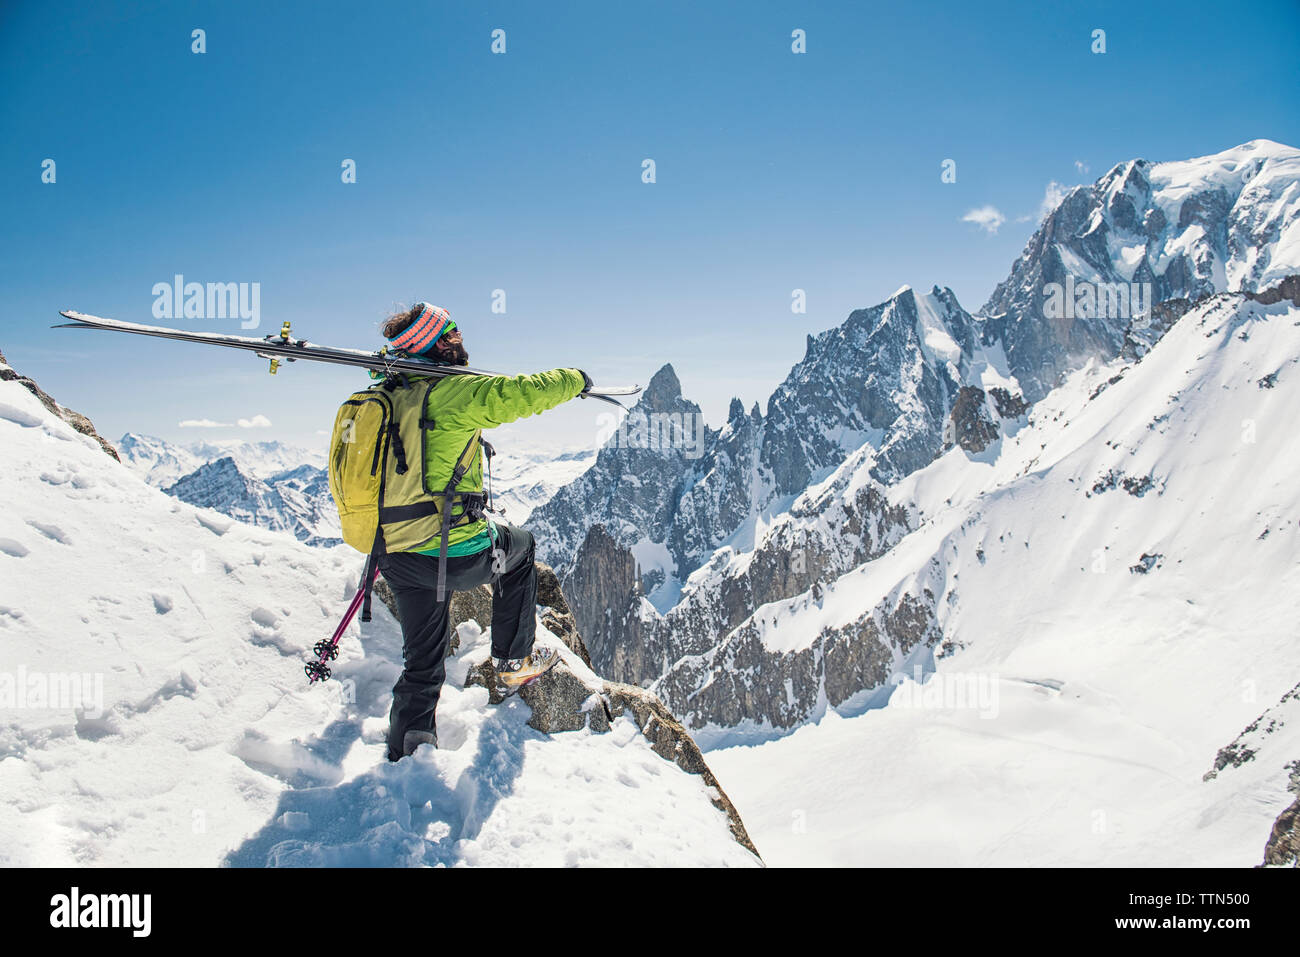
(263, 617)
(13, 548)
(52, 532)
(214, 525)
(11, 413)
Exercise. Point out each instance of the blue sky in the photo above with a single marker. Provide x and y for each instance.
(522, 172)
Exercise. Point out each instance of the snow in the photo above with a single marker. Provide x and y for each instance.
(1184, 243)
(654, 556)
(1262, 180)
(1127, 259)
(1111, 691)
(933, 333)
(1081, 270)
(155, 713)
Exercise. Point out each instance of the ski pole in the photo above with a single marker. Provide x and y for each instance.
(327, 649)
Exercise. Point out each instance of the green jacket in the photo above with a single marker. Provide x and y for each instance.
(461, 405)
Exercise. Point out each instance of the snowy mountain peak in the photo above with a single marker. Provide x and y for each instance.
(1142, 234)
(662, 390)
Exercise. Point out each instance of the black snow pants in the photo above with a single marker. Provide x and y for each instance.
(426, 624)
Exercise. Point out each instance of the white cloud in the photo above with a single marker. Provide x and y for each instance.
(256, 422)
(1082, 167)
(1052, 197)
(986, 218)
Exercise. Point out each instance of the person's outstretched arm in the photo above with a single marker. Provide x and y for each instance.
(484, 402)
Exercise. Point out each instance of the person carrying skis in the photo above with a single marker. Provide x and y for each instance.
(478, 549)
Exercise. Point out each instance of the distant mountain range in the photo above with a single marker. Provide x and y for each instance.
(284, 487)
(674, 560)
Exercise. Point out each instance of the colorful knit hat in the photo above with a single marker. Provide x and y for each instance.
(419, 337)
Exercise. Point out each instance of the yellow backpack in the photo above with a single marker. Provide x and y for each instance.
(383, 502)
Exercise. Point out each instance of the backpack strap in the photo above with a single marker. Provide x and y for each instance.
(489, 452)
(399, 450)
(449, 496)
(368, 576)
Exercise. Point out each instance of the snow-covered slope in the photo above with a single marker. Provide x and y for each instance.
(1110, 595)
(153, 709)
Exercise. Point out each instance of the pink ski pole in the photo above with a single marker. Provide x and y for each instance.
(327, 649)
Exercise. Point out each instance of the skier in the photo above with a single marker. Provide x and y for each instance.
(479, 549)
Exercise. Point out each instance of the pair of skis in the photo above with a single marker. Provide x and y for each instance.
(285, 348)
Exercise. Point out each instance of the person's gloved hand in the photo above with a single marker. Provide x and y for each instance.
(587, 379)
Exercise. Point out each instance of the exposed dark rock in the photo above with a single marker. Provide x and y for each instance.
(1138, 485)
(1135, 485)
(1146, 563)
(1283, 847)
(741, 680)
(1288, 289)
(549, 592)
(74, 419)
(1244, 746)
(607, 595)
(1009, 405)
(1144, 332)
(474, 605)
(972, 427)
(564, 627)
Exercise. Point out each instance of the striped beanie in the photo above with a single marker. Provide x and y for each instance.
(420, 336)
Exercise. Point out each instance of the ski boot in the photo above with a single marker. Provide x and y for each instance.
(514, 673)
(412, 740)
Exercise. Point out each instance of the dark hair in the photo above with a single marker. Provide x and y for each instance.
(397, 323)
